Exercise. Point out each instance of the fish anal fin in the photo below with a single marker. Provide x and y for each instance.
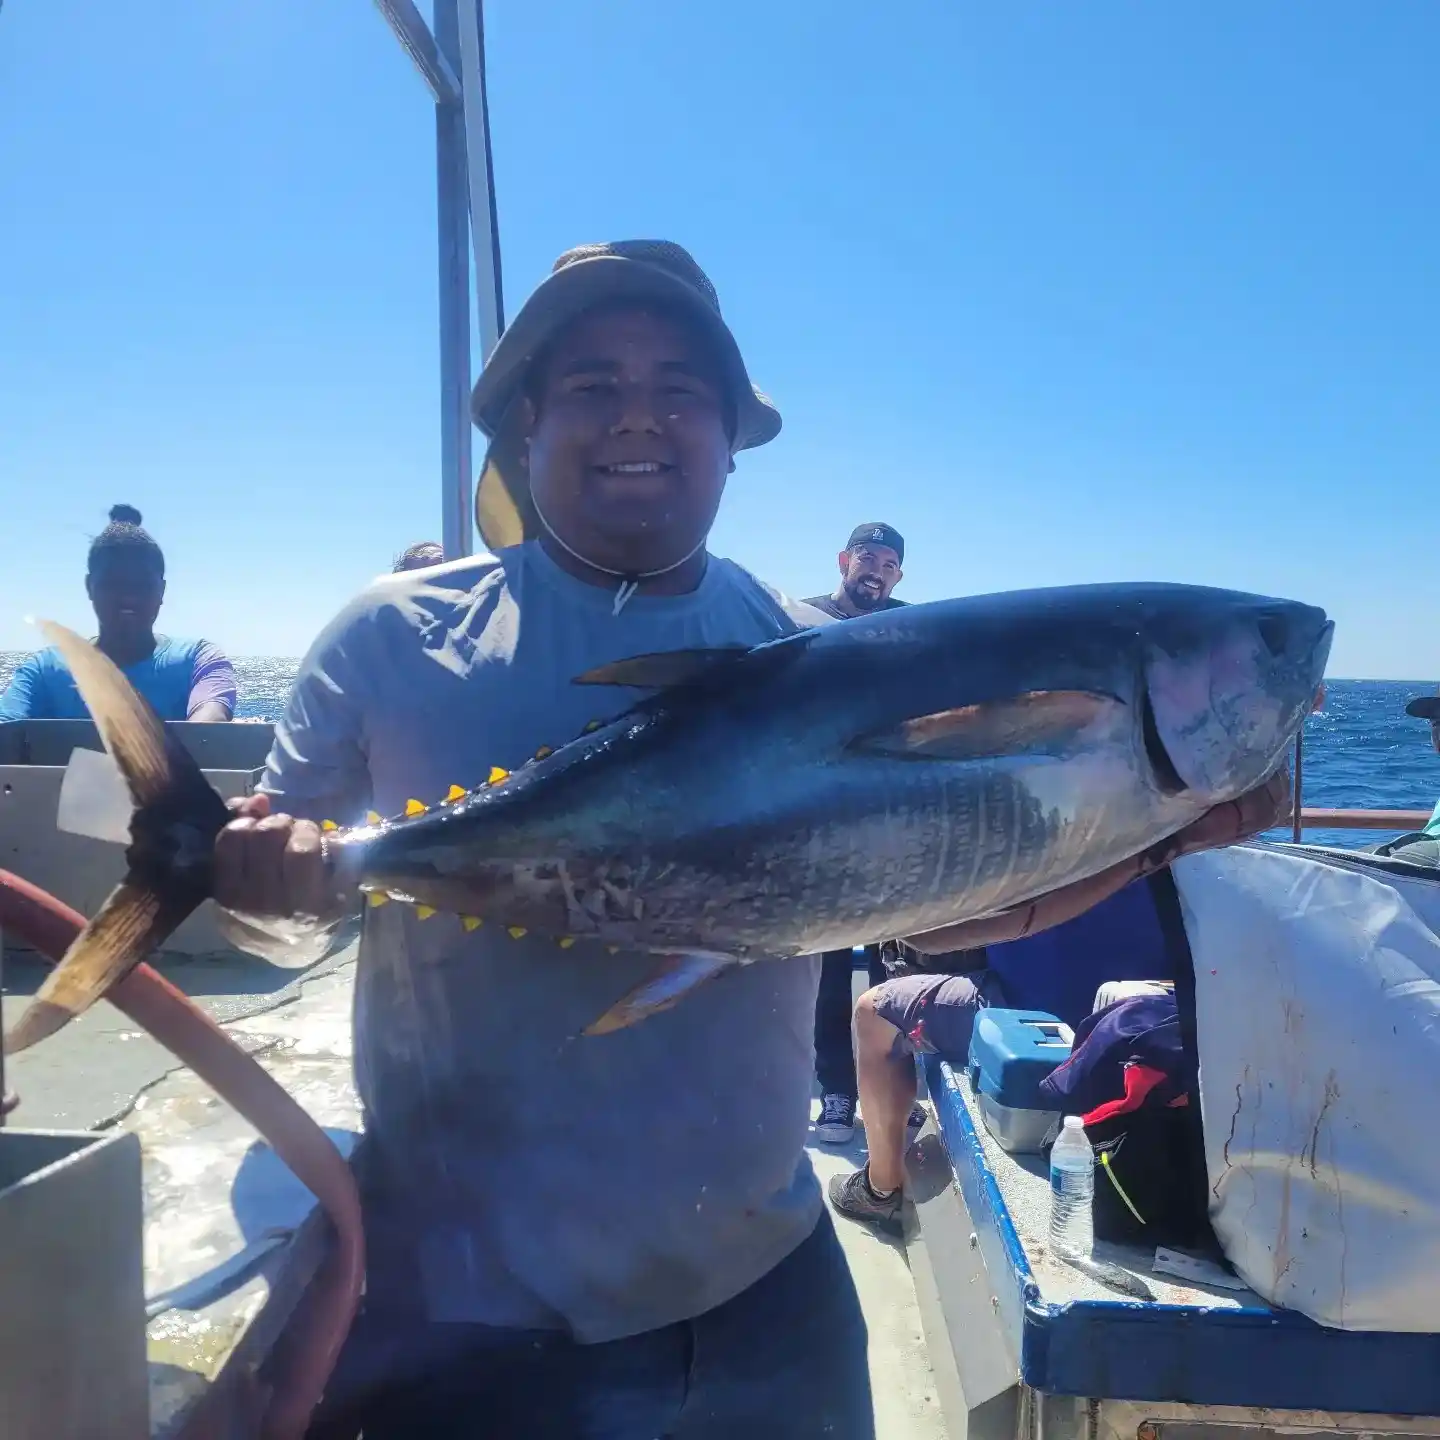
(672, 980)
(133, 920)
(1034, 720)
(662, 670)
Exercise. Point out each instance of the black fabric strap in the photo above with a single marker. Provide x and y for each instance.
(1166, 896)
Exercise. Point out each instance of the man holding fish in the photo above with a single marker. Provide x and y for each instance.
(580, 1224)
(560, 1225)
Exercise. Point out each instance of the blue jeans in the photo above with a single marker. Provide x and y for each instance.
(787, 1357)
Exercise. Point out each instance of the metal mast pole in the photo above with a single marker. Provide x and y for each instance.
(452, 193)
(452, 63)
(484, 224)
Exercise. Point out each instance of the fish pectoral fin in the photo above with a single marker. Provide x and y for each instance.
(1035, 720)
(663, 669)
(674, 978)
(131, 922)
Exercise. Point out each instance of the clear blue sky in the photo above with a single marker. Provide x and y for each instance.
(1064, 292)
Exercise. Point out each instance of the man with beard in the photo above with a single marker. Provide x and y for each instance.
(869, 571)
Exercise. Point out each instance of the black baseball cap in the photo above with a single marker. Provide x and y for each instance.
(876, 532)
(1427, 707)
(582, 278)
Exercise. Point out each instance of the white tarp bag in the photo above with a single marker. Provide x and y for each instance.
(1317, 979)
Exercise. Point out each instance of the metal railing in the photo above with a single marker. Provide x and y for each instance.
(1315, 818)
(1319, 819)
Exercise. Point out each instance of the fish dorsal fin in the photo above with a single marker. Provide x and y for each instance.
(1035, 720)
(663, 670)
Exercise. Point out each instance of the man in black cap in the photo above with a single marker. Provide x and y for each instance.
(869, 570)
(1427, 707)
(1420, 847)
(618, 1236)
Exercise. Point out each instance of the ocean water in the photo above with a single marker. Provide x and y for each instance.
(264, 685)
(1362, 752)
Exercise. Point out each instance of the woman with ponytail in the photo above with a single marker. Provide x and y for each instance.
(182, 679)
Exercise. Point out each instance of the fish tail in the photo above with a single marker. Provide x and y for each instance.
(177, 817)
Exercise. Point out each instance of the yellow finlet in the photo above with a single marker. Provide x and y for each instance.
(424, 911)
(372, 817)
(377, 898)
(414, 807)
(497, 775)
(565, 941)
(328, 825)
(516, 931)
(592, 727)
(454, 793)
(544, 753)
(471, 922)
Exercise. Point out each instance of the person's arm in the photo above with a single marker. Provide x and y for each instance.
(277, 895)
(212, 685)
(317, 768)
(24, 697)
(1256, 811)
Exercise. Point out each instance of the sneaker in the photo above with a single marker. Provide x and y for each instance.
(836, 1125)
(851, 1195)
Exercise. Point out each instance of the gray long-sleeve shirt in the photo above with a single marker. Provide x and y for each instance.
(604, 1185)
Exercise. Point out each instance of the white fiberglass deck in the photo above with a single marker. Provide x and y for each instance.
(902, 1385)
(1024, 1182)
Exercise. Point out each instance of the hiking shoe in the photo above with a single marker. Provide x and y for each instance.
(851, 1195)
(836, 1125)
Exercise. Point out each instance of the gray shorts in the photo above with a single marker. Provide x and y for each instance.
(934, 1014)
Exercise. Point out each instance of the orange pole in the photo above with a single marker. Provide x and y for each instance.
(1366, 819)
(1296, 822)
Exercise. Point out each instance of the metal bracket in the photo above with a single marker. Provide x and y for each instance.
(415, 38)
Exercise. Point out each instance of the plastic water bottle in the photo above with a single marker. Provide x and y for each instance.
(1072, 1189)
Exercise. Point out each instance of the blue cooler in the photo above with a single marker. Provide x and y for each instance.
(1011, 1052)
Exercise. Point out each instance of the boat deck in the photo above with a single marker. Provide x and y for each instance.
(902, 1384)
(232, 1239)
